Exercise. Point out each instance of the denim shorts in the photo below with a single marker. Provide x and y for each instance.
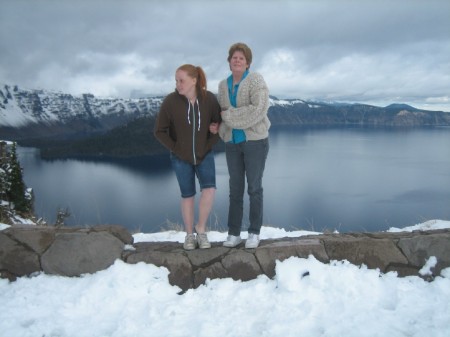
(186, 172)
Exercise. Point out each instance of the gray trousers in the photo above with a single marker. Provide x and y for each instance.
(246, 160)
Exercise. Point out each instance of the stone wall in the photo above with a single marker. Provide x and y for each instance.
(25, 250)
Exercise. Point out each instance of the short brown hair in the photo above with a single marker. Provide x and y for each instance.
(242, 47)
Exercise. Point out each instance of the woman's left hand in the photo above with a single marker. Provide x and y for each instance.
(214, 128)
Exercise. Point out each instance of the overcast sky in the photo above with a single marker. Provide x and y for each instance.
(377, 52)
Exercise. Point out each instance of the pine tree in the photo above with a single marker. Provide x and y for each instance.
(3, 181)
(17, 190)
(4, 169)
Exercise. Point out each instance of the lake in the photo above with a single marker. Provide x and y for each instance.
(346, 179)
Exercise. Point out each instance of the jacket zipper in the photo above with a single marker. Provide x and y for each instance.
(193, 133)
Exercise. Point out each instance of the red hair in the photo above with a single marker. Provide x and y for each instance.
(199, 74)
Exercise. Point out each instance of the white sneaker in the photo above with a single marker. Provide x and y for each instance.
(190, 242)
(203, 242)
(232, 241)
(252, 241)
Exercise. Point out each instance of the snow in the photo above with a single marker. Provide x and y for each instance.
(283, 102)
(14, 117)
(305, 298)
(425, 226)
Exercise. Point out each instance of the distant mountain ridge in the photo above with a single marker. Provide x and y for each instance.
(26, 114)
(66, 125)
(299, 112)
(398, 106)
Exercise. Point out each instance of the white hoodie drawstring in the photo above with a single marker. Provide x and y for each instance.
(198, 105)
(189, 112)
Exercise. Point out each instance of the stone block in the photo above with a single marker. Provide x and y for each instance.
(403, 271)
(241, 265)
(214, 271)
(419, 248)
(17, 259)
(38, 238)
(76, 253)
(118, 231)
(268, 254)
(203, 257)
(372, 252)
(178, 265)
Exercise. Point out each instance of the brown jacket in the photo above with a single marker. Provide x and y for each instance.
(183, 128)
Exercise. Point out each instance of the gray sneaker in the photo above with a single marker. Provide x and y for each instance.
(252, 241)
(232, 241)
(190, 242)
(202, 240)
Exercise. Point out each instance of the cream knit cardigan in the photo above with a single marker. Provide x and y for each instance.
(250, 114)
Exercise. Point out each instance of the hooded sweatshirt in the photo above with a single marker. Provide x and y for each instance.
(183, 127)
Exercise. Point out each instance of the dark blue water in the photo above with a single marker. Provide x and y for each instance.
(345, 179)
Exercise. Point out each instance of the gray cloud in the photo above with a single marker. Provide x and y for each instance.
(376, 52)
